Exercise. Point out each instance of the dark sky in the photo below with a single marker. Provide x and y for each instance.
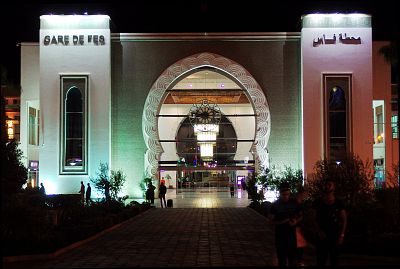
(20, 20)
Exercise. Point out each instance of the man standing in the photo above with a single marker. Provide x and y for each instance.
(161, 194)
(331, 221)
(88, 194)
(42, 190)
(107, 190)
(82, 192)
(232, 190)
(150, 193)
(285, 215)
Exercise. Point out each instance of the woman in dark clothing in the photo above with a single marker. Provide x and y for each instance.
(284, 214)
(331, 223)
(161, 194)
(150, 193)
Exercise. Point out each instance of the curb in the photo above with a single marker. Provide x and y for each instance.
(41, 257)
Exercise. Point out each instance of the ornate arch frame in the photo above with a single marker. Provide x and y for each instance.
(185, 67)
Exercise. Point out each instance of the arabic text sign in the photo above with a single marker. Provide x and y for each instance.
(343, 38)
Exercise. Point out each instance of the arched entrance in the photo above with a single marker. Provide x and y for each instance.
(185, 67)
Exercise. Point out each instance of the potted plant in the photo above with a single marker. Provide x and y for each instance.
(168, 178)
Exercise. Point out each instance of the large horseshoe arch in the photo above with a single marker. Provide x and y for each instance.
(179, 69)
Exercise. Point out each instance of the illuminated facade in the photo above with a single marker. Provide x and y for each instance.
(11, 95)
(125, 99)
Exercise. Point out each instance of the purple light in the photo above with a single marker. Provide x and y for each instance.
(240, 179)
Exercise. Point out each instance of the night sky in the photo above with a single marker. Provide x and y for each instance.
(20, 20)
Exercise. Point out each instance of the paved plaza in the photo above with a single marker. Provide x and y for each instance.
(201, 230)
(206, 198)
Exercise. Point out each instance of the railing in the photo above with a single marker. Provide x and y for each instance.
(191, 186)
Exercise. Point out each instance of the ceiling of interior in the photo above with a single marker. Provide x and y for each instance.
(209, 85)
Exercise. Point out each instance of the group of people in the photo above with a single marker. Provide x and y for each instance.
(88, 193)
(162, 191)
(82, 191)
(330, 225)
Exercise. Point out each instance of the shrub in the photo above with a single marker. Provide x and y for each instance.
(108, 183)
(270, 179)
(117, 180)
(101, 179)
(143, 185)
(392, 178)
(353, 179)
(251, 188)
(14, 173)
(371, 213)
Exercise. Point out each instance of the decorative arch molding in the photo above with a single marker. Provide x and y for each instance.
(189, 65)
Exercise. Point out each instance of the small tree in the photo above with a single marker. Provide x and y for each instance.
(117, 181)
(143, 185)
(353, 179)
(252, 190)
(392, 179)
(14, 174)
(275, 176)
(103, 181)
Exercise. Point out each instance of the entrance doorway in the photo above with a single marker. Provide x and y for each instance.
(212, 188)
(163, 111)
(207, 130)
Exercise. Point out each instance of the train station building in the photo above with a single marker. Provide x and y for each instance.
(209, 107)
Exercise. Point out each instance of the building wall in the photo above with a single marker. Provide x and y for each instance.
(382, 91)
(336, 58)
(30, 73)
(136, 65)
(122, 72)
(87, 59)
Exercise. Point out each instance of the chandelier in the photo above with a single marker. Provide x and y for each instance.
(205, 118)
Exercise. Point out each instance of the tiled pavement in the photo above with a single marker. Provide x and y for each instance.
(206, 198)
(179, 237)
(208, 229)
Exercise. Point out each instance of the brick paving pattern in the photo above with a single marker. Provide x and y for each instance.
(225, 233)
(179, 237)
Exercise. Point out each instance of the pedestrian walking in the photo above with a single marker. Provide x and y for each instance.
(162, 190)
(42, 190)
(284, 213)
(82, 192)
(150, 193)
(88, 194)
(331, 222)
(107, 190)
(232, 190)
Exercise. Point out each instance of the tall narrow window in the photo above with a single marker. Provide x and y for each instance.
(74, 125)
(395, 129)
(379, 149)
(33, 126)
(379, 135)
(337, 116)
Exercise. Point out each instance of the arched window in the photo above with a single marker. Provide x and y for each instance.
(337, 116)
(74, 126)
